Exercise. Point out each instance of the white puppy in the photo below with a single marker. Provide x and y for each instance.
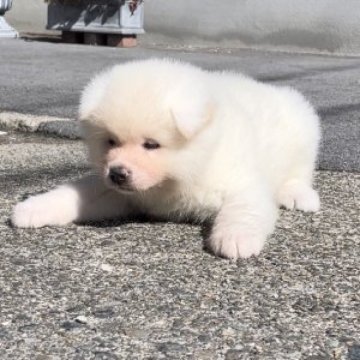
(173, 141)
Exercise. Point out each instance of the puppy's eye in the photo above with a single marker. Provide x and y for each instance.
(111, 142)
(150, 144)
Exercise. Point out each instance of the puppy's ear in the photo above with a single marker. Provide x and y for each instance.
(93, 94)
(191, 113)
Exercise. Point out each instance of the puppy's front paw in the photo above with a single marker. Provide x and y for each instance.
(56, 207)
(33, 212)
(233, 242)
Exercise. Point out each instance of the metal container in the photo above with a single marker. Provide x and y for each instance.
(5, 5)
(6, 31)
(97, 16)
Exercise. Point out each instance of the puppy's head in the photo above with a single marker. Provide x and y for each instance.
(140, 119)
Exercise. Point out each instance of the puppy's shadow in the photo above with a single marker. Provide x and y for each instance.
(205, 227)
(113, 223)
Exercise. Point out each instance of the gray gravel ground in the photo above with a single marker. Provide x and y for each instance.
(149, 291)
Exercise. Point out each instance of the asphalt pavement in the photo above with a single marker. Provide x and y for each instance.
(142, 290)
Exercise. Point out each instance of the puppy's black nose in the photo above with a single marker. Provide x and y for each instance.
(119, 175)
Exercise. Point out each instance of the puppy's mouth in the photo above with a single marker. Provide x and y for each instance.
(123, 188)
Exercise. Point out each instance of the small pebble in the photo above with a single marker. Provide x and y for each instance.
(106, 267)
(228, 332)
(81, 319)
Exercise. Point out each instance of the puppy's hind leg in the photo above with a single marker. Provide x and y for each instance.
(300, 139)
(298, 194)
(83, 200)
(296, 190)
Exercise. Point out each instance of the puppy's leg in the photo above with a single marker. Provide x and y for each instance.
(243, 223)
(297, 194)
(83, 200)
(301, 138)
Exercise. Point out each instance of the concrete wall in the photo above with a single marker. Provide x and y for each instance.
(315, 25)
(293, 25)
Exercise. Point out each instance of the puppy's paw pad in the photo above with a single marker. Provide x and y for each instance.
(233, 245)
(299, 196)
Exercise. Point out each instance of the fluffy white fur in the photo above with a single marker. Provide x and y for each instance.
(231, 147)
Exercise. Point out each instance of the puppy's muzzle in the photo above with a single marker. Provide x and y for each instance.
(119, 175)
